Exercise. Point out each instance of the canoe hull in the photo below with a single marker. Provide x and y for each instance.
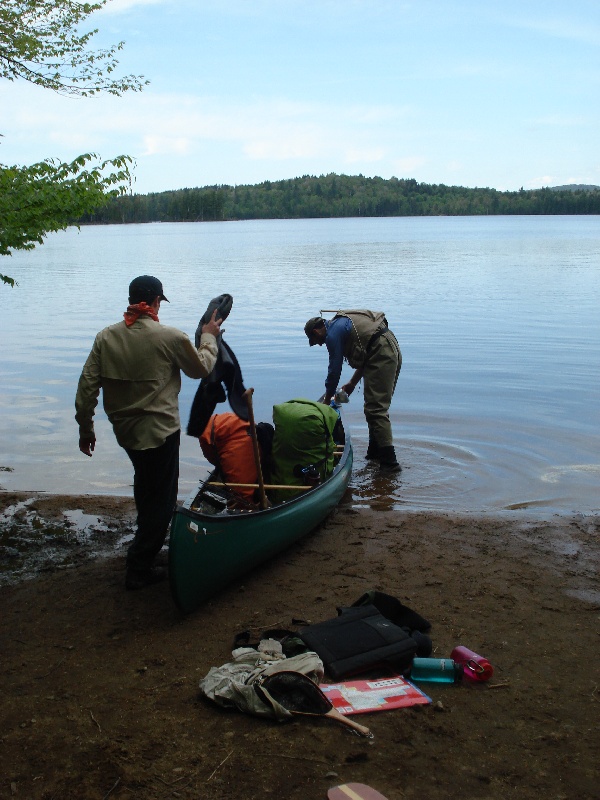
(208, 552)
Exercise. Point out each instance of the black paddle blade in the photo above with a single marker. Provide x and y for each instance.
(296, 693)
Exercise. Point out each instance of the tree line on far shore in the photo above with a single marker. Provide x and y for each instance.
(339, 196)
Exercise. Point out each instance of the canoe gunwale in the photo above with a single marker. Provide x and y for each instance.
(186, 509)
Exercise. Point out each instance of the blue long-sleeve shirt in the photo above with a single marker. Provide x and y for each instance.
(338, 331)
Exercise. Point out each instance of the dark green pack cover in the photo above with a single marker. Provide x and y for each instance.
(303, 436)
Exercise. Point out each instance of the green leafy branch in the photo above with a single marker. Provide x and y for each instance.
(39, 44)
(49, 196)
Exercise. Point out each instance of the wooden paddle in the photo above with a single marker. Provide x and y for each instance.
(354, 791)
(335, 715)
(264, 503)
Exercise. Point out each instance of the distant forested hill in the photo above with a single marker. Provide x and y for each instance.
(576, 187)
(340, 196)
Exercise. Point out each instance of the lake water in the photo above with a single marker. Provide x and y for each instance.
(497, 405)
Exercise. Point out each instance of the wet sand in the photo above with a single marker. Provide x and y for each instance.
(100, 686)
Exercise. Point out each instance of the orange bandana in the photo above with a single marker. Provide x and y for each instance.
(139, 310)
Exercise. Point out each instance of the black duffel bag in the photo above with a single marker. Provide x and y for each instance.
(358, 640)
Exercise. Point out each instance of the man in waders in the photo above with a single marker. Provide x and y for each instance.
(364, 340)
(138, 363)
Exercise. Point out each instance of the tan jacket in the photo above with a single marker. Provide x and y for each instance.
(138, 370)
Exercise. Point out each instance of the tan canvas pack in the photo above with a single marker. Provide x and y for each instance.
(234, 684)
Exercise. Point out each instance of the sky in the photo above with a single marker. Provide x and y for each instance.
(468, 93)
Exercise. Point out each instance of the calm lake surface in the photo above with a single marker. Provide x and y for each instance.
(497, 405)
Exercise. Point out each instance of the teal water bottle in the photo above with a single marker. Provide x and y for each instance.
(435, 670)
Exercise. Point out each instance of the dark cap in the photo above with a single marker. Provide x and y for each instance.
(313, 322)
(145, 288)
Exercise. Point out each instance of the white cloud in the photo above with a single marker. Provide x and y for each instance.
(561, 28)
(573, 22)
(283, 147)
(408, 164)
(587, 178)
(544, 180)
(157, 125)
(367, 155)
(377, 115)
(166, 145)
(118, 6)
(560, 121)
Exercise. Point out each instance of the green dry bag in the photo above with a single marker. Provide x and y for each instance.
(303, 437)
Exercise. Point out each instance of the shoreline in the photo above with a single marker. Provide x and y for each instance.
(98, 525)
(101, 685)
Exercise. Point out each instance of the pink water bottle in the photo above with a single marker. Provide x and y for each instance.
(476, 667)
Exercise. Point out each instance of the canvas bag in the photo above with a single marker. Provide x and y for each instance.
(233, 685)
(358, 640)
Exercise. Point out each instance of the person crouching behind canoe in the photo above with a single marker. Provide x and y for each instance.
(226, 443)
(137, 363)
(364, 340)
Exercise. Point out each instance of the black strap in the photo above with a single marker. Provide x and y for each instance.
(376, 336)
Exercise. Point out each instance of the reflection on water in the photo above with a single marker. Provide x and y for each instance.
(497, 402)
(555, 474)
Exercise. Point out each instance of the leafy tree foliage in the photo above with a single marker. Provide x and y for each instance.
(36, 200)
(40, 43)
(339, 196)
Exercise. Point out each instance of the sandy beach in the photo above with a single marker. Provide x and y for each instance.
(100, 686)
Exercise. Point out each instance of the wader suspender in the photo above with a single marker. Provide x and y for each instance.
(376, 336)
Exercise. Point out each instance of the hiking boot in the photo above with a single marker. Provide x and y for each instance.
(387, 460)
(135, 580)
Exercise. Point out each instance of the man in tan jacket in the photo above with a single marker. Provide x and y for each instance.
(137, 363)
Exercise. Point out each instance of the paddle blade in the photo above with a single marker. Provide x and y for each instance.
(354, 791)
(299, 695)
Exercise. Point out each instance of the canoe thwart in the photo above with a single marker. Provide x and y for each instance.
(256, 486)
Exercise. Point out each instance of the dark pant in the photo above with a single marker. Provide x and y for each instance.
(155, 481)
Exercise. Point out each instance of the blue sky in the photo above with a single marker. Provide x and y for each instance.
(474, 93)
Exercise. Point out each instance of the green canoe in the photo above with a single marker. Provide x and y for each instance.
(211, 546)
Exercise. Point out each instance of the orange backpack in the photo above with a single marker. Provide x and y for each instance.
(226, 443)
